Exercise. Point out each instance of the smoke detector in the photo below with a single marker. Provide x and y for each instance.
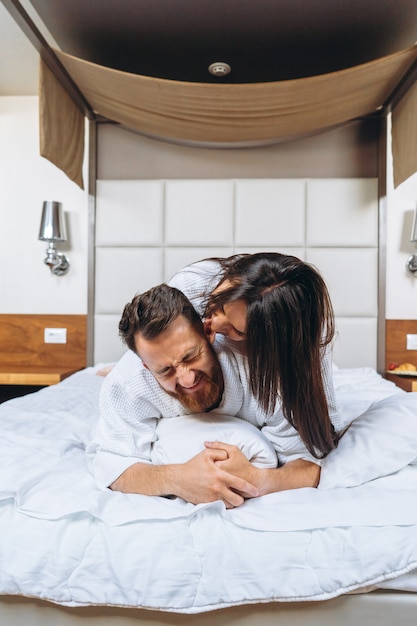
(219, 68)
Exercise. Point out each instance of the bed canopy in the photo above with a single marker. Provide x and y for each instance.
(226, 115)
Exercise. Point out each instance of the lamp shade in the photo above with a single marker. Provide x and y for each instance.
(414, 228)
(52, 222)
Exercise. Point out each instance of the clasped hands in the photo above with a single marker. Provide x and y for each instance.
(222, 472)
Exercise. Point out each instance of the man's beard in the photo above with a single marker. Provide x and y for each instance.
(205, 400)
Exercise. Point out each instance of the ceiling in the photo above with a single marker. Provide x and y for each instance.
(262, 40)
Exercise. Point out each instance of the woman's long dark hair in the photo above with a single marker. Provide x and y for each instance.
(289, 322)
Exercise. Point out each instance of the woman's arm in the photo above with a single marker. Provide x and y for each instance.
(293, 475)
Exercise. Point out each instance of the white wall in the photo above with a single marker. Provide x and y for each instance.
(401, 294)
(26, 179)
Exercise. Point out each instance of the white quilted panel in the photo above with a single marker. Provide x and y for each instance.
(270, 212)
(342, 212)
(356, 342)
(351, 275)
(108, 346)
(129, 212)
(199, 213)
(121, 272)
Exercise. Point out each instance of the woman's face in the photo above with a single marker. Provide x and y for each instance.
(230, 320)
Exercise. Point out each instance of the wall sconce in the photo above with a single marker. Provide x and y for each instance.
(53, 230)
(412, 261)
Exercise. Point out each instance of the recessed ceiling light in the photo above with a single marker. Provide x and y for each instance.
(219, 68)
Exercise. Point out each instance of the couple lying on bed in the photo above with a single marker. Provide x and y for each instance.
(261, 356)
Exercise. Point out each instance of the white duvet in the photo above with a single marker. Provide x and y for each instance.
(67, 541)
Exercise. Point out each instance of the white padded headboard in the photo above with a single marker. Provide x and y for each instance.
(148, 229)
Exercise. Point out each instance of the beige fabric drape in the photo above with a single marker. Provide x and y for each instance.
(227, 114)
(61, 126)
(404, 136)
(201, 112)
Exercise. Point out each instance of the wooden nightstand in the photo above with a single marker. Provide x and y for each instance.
(18, 380)
(408, 383)
(28, 362)
(33, 375)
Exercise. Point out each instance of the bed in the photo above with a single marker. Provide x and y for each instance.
(343, 553)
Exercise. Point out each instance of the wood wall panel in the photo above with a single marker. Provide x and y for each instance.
(22, 341)
(396, 342)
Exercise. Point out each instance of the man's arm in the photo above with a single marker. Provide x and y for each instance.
(293, 475)
(197, 481)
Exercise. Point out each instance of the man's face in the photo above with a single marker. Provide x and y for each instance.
(184, 364)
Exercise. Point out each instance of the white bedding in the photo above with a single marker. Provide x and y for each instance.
(72, 543)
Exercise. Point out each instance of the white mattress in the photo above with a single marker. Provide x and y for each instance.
(72, 543)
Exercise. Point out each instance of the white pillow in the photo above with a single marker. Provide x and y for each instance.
(379, 442)
(181, 438)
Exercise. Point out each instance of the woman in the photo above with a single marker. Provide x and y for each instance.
(279, 310)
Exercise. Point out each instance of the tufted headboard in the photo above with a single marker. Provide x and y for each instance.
(148, 229)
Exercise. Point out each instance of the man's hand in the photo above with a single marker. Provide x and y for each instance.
(293, 475)
(205, 480)
(199, 480)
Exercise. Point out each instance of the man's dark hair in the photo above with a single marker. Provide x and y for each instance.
(151, 312)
